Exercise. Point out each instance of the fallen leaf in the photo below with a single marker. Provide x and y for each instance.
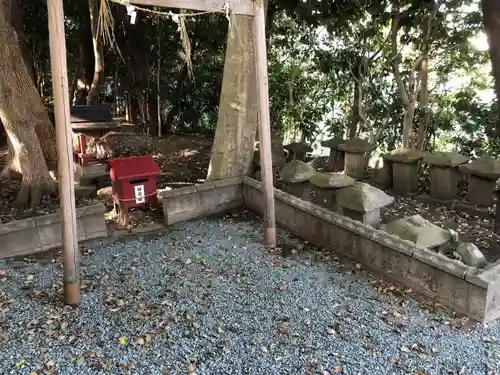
(20, 363)
(80, 360)
(123, 340)
(35, 293)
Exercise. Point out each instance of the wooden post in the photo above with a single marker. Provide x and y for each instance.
(158, 101)
(64, 151)
(264, 125)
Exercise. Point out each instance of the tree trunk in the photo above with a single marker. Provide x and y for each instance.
(95, 87)
(424, 105)
(152, 105)
(408, 123)
(237, 122)
(85, 71)
(356, 111)
(134, 109)
(25, 120)
(491, 19)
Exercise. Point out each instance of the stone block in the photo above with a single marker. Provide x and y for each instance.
(395, 263)
(209, 197)
(383, 176)
(50, 235)
(45, 233)
(355, 165)
(304, 226)
(444, 182)
(336, 161)
(17, 226)
(371, 253)
(419, 231)
(487, 280)
(423, 277)
(476, 302)
(180, 216)
(480, 191)
(453, 289)
(302, 190)
(285, 214)
(326, 198)
(344, 243)
(253, 198)
(227, 194)
(22, 242)
(405, 177)
(320, 231)
(371, 218)
(93, 224)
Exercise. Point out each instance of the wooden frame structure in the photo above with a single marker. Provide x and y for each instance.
(58, 57)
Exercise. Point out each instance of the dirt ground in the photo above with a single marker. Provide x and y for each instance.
(184, 160)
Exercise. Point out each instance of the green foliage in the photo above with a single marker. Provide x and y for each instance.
(318, 50)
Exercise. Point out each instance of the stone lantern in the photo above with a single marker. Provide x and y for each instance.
(297, 150)
(444, 174)
(483, 174)
(336, 158)
(325, 187)
(404, 165)
(356, 155)
(362, 202)
(294, 179)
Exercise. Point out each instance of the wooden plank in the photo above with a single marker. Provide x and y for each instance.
(264, 126)
(244, 7)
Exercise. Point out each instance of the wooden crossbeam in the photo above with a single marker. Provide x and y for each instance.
(244, 7)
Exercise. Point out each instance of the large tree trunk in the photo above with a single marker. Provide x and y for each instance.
(237, 123)
(25, 120)
(491, 19)
(85, 71)
(95, 87)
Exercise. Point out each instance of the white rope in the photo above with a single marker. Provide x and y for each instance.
(132, 199)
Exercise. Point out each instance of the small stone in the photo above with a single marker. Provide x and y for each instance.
(331, 180)
(471, 255)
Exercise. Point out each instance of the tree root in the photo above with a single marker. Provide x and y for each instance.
(29, 196)
(32, 189)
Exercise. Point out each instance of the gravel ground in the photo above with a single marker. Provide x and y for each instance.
(205, 298)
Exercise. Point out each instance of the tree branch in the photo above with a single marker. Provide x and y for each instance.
(396, 59)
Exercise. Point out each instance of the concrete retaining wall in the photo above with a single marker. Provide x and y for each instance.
(467, 290)
(41, 233)
(200, 200)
